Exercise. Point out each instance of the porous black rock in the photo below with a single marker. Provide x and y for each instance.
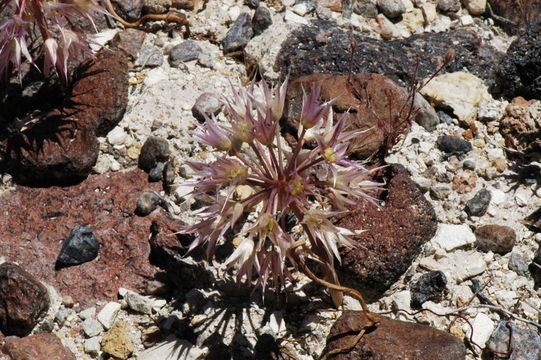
(429, 286)
(519, 73)
(478, 205)
(239, 34)
(79, 247)
(453, 145)
(322, 47)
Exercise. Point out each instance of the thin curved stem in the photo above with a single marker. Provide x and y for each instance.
(147, 17)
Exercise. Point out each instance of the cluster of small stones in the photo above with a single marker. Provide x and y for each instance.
(467, 179)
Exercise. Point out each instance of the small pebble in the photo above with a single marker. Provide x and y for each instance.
(186, 51)
(429, 286)
(496, 238)
(148, 202)
(453, 145)
(478, 205)
(518, 263)
(469, 164)
(239, 34)
(207, 104)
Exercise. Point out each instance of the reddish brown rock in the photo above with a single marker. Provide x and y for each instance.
(333, 5)
(129, 41)
(392, 339)
(100, 93)
(497, 238)
(393, 237)
(515, 14)
(37, 347)
(23, 300)
(63, 146)
(53, 149)
(32, 234)
(382, 112)
(520, 127)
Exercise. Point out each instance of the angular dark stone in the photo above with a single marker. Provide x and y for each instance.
(129, 9)
(23, 300)
(252, 3)
(262, 20)
(154, 150)
(186, 51)
(156, 174)
(79, 247)
(391, 8)
(454, 145)
(392, 339)
(394, 235)
(524, 344)
(497, 238)
(478, 205)
(322, 47)
(519, 72)
(239, 34)
(429, 286)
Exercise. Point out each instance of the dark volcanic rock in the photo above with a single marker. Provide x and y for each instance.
(478, 205)
(520, 343)
(519, 73)
(392, 339)
(324, 48)
(497, 238)
(154, 150)
(130, 10)
(23, 300)
(106, 201)
(79, 247)
(386, 97)
(262, 20)
(429, 286)
(63, 146)
(393, 236)
(454, 145)
(239, 34)
(37, 347)
(449, 7)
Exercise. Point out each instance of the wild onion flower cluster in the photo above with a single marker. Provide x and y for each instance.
(61, 40)
(310, 184)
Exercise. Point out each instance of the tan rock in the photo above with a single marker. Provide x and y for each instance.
(460, 91)
(116, 342)
(475, 7)
(413, 20)
(429, 12)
